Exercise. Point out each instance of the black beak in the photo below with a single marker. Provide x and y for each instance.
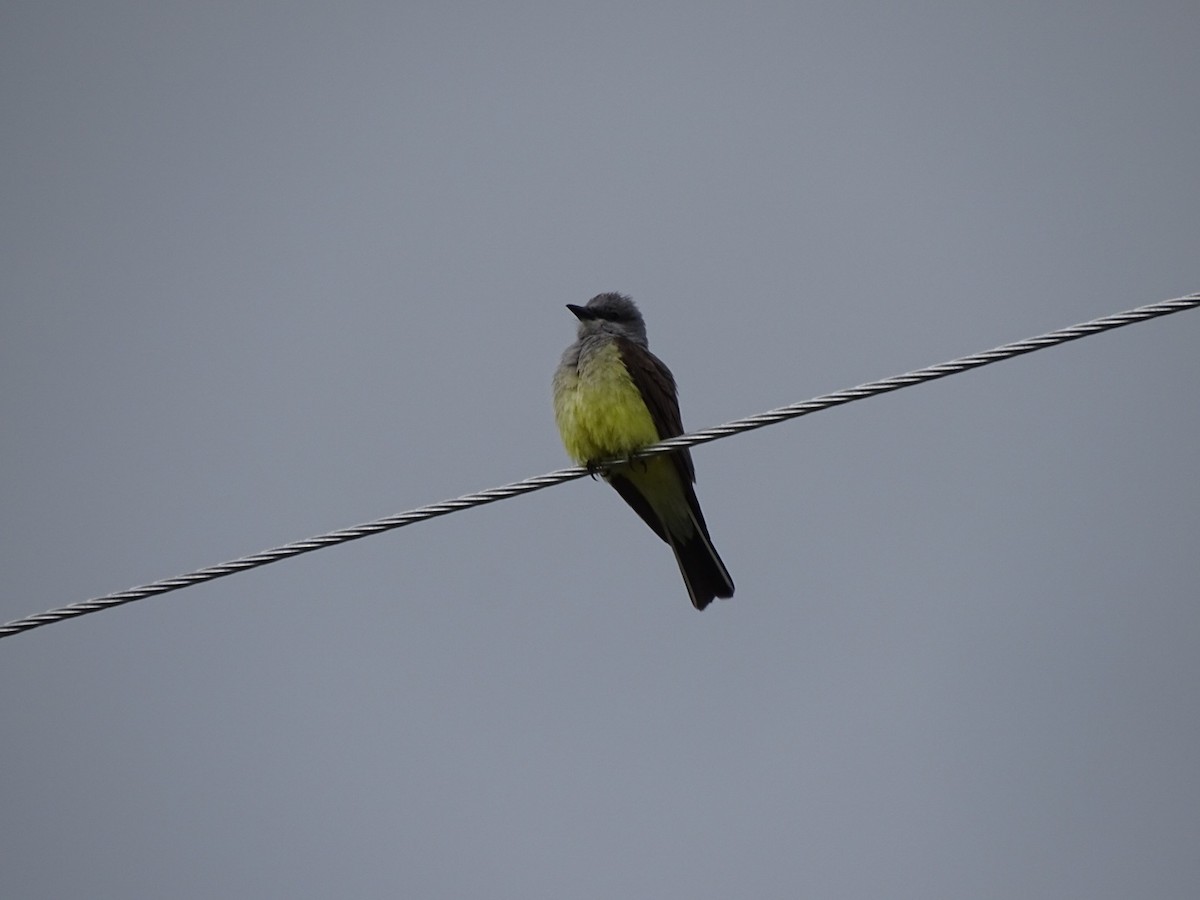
(582, 313)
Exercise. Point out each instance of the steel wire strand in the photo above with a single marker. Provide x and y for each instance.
(537, 482)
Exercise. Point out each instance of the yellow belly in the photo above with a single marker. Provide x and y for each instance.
(600, 412)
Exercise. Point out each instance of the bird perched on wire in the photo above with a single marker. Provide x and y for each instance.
(612, 396)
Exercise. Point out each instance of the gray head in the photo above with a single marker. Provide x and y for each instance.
(612, 314)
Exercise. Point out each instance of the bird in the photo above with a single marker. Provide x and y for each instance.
(612, 397)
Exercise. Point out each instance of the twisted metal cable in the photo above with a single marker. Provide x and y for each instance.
(929, 373)
(536, 483)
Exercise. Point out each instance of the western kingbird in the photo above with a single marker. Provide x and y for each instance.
(612, 396)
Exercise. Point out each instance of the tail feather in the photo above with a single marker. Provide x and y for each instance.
(680, 524)
(703, 572)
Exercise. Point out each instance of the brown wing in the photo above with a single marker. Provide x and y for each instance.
(657, 387)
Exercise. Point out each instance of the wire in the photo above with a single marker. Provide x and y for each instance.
(536, 483)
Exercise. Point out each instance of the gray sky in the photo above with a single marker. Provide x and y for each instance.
(270, 269)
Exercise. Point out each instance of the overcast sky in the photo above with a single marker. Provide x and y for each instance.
(270, 269)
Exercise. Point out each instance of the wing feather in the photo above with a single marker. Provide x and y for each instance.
(657, 386)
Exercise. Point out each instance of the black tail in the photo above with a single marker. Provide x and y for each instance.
(703, 572)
